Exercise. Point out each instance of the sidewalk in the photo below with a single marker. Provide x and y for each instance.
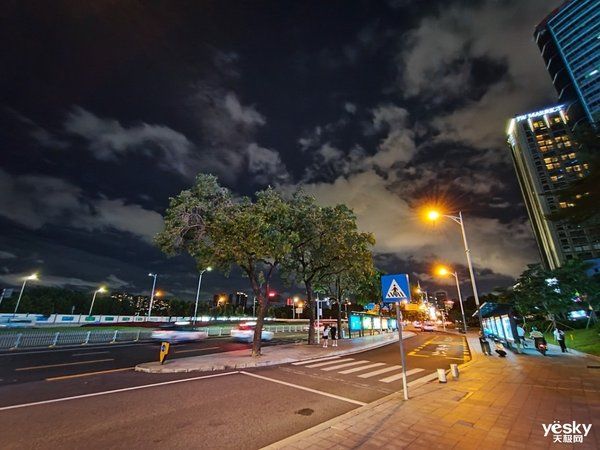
(497, 403)
(271, 355)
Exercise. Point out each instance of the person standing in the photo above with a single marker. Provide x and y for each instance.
(485, 344)
(325, 336)
(559, 335)
(334, 336)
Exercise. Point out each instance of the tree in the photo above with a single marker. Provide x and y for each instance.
(576, 285)
(218, 230)
(326, 244)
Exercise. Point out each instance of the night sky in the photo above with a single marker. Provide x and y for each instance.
(108, 108)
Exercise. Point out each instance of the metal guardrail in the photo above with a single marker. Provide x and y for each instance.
(15, 341)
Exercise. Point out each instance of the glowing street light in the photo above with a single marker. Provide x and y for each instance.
(100, 290)
(208, 269)
(296, 300)
(444, 271)
(434, 215)
(32, 277)
(153, 275)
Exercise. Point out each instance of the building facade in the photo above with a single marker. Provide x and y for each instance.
(569, 41)
(546, 161)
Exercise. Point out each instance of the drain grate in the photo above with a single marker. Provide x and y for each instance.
(593, 367)
(305, 411)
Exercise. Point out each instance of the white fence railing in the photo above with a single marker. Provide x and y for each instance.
(40, 339)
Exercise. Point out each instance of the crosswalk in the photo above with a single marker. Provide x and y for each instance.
(359, 368)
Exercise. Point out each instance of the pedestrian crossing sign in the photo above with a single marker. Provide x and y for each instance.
(395, 288)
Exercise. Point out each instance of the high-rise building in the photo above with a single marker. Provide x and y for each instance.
(569, 40)
(546, 160)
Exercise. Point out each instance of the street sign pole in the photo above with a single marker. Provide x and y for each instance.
(402, 355)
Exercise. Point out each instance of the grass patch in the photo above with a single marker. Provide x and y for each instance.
(587, 341)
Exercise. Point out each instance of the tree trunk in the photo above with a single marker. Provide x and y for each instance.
(311, 313)
(339, 302)
(260, 317)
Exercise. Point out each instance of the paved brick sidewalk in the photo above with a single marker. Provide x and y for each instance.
(271, 355)
(497, 403)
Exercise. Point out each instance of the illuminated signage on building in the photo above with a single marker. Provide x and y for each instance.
(539, 113)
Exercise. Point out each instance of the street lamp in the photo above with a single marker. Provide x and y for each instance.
(443, 271)
(101, 290)
(31, 277)
(198, 292)
(433, 215)
(296, 299)
(153, 275)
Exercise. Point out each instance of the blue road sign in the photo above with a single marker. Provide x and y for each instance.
(395, 288)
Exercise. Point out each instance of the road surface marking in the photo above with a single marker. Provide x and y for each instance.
(399, 375)
(380, 371)
(330, 362)
(75, 348)
(310, 361)
(114, 391)
(64, 364)
(194, 350)
(358, 369)
(314, 391)
(89, 353)
(87, 374)
(341, 366)
(423, 380)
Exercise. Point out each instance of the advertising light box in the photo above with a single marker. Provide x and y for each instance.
(367, 324)
(355, 323)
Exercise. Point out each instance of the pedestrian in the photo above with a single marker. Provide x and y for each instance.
(485, 345)
(334, 336)
(325, 336)
(559, 335)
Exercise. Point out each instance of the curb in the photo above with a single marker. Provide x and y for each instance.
(262, 363)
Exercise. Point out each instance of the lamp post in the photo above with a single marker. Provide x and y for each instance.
(31, 277)
(295, 300)
(434, 215)
(198, 292)
(444, 271)
(102, 290)
(153, 275)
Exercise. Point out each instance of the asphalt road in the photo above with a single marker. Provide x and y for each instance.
(241, 410)
(22, 366)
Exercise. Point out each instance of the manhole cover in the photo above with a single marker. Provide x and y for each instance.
(305, 411)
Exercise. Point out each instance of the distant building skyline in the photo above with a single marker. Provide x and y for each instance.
(569, 42)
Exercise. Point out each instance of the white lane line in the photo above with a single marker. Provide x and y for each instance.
(358, 369)
(114, 391)
(310, 361)
(88, 353)
(314, 391)
(75, 348)
(64, 364)
(194, 350)
(423, 380)
(330, 362)
(399, 375)
(342, 366)
(380, 371)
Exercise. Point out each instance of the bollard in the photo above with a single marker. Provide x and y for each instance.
(441, 375)
(454, 370)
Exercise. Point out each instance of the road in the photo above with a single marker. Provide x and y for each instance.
(235, 409)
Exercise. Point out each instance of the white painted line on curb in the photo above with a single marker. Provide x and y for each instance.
(358, 369)
(114, 391)
(380, 371)
(314, 391)
(399, 375)
(330, 362)
(342, 366)
(423, 380)
(48, 366)
(310, 361)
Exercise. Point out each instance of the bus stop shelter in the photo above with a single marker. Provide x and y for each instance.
(498, 321)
